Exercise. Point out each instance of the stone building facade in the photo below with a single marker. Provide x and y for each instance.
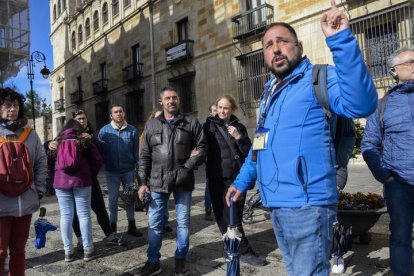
(104, 52)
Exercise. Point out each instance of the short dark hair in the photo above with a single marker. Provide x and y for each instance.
(284, 25)
(7, 94)
(116, 105)
(167, 88)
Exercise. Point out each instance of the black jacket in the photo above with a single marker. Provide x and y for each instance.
(221, 161)
(165, 164)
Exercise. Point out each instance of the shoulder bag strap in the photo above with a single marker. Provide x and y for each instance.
(226, 138)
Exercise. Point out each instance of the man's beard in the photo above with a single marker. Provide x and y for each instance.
(281, 74)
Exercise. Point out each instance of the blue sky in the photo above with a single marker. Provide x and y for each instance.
(40, 41)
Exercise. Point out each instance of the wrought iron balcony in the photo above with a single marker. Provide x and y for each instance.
(100, 86)
(132, 72)
(252, 22)
(76, 97)
(179, 51)
(60, 104)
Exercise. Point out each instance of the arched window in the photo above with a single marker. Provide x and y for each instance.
(87, 28)
(73, 41)
(105, 13)
(59, 7)
(115, 7)
(54, 12)
(80, 35)
(95, 21)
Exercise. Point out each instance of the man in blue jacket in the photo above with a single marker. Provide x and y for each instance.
(292, 148)
(387, 148)
(119, 141)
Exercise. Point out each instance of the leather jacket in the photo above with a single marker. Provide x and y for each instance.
(165, 165)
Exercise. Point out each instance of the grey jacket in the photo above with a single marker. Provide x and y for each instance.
(28, 202)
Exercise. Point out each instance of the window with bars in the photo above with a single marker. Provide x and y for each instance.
(379, 34)
(252, 74)
(134, 107)
(186, 91)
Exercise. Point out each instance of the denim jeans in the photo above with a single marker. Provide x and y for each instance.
(68, 198)
(207, 198)
(304, 236)
(156, 214)
(400, 204)
(113, 181)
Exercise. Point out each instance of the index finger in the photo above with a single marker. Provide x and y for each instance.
(333, 4)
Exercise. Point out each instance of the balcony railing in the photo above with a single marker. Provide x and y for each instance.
(60, 104)
(76, 97)
(132, 72)
(252, 22)
(100, 86)
(180, 51)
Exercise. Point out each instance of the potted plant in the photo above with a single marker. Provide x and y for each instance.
(361, 211)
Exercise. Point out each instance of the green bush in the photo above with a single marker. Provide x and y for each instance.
(359, 131)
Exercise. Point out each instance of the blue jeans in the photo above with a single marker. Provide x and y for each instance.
(207, 198)
(156, 214)
(400, 204)
(304, 236)
(113, 181)
(68, 198)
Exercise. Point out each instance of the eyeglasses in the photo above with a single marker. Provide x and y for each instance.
(408, 63)
(8, 105)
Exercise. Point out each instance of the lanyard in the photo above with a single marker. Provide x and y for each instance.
(274, 89)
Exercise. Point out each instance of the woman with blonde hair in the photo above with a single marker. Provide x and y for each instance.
(228, 146)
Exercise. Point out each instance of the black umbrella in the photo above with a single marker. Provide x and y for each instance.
(42, 226)
(232, 240)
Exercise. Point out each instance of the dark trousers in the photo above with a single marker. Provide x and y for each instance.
(98, 207)
(218, 189)
(14, 232)
(400, 204)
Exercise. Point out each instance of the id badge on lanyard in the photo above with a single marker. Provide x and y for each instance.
(260, 139)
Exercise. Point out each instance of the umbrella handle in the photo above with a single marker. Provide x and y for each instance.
(232, 210)
(42, 212)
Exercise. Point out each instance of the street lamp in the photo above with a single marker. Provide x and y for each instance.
(36, 57)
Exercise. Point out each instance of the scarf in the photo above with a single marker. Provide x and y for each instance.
(13, 125)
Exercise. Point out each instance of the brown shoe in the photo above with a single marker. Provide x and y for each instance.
(209, 215)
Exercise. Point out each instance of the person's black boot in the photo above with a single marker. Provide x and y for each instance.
(113, 227)
(132, 229)
(180, 269)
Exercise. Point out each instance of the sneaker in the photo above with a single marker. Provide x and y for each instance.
(69, 256)
(180, 268)
(113, 239)
(252, 258)
(88, 255)
(338, 266)
(150, 269)
(208, 215)
(79, 246)
(167, 228)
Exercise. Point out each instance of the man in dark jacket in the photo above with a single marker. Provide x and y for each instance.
(166, 167)
(387, 147)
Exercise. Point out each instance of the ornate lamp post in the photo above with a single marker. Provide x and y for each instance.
(36, 57)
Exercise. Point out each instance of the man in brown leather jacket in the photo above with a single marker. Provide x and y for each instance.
(166, 166)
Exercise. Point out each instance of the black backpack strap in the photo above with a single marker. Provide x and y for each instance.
(320, 86)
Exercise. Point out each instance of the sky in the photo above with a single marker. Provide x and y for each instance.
(40, 41)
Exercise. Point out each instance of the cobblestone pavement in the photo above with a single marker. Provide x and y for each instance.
(205, 254)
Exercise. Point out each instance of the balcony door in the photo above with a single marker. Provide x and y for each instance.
(258, 17)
